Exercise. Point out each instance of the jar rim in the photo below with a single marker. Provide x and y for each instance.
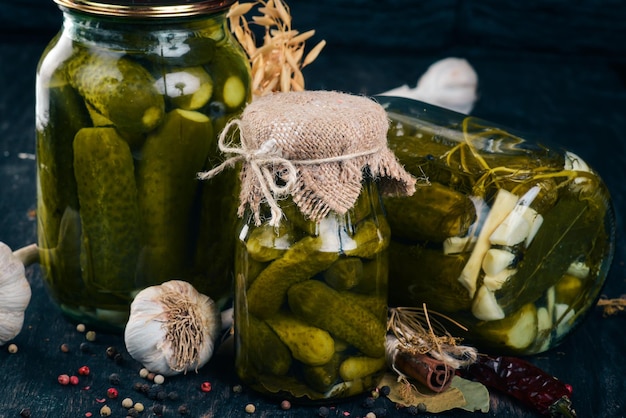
(146, 8)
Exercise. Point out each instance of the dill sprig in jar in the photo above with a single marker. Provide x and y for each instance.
(311, 264)
(130, 98)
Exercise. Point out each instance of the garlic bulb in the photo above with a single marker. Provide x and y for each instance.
(172, 328)
(450, 83)
(14, 294)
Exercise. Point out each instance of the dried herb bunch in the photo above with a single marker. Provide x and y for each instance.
(276, 64)
(418, 333)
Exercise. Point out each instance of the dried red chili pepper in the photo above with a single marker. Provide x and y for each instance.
(525, 382)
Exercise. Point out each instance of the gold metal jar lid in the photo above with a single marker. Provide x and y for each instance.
(146, 8)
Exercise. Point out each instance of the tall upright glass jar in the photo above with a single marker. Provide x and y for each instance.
(130, 98)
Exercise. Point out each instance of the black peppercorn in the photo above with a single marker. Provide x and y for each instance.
(380, 412)
(385, 390)
(172, 396)
(114, 379)
(111, 352)
(183, 409)
(154, 392)
(158, 409)
(368, 402)
(85, 347)
(25, 413)
(323, 411)
(412, 410)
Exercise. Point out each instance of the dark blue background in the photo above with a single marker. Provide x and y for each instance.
(555, 69)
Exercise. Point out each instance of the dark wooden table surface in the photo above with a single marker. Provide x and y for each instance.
(576, 100)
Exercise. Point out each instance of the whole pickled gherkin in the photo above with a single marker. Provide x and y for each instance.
(310, 345)
(433, 213)
(117, 88)
(261, 348)
(322, 378)
(167, 187)
(109, 209)
(65, 115)
(421, 274)
(300, 262)
(324, 307)
(370, 239)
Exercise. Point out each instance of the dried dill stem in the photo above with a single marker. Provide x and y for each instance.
(420, 348)
(278, 62)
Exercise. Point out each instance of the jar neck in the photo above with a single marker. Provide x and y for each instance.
(147, 8)
(140, 34)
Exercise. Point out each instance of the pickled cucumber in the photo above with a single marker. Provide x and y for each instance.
(217, 232)
(301, 262)
(322, 378)
(325, 308)
(117, 88)
(514, 333)
(370, 239)
(344, 273)
(167, 186)
(264, 351)
(308, 344)
(109, 208)
(420, 274)
(188, 88)
(66, 115)
(231, 86)
(358, 367)
(432, 213)
(61, 264)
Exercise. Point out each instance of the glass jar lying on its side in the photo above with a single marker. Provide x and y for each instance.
(510, 238)
(130, 98)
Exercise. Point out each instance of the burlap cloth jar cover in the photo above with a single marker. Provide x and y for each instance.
(313, 146)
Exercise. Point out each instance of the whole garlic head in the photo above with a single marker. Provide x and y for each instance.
(172, 328)
(451, 83)
(15, 294)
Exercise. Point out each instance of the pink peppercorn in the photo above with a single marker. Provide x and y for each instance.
(73, 380)
(112, 393)
(83, 371)
(206, 387)
(63, 379)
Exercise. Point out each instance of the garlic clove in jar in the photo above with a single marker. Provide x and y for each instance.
(172, 328)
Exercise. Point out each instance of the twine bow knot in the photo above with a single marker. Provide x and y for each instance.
(262, 162)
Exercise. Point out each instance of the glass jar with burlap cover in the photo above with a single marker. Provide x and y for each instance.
(311, 262)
